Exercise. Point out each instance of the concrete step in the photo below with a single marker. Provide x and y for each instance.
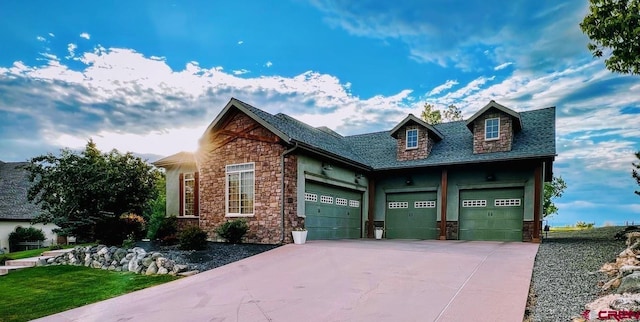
(29, 262)
(57, 252)
(4, 270)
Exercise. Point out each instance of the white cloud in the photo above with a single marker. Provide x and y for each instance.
(85, 35)
(240, 42)
(51, 34)
(268, 64)
(240, 71)
(503, 66)
(71, 48)
(40, 38)
(438, 89)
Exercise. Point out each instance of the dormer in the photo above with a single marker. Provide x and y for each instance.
(493, 128)
(415, 138)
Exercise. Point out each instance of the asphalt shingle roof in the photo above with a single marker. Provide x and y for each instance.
(378, 150)
(14, 184)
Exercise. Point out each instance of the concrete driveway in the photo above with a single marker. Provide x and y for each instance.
(347, 280)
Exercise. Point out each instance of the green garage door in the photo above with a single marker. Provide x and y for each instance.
(411, 215)
(332, 212)
(491, 214)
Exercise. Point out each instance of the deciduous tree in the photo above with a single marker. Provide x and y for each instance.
(614, 26)
(430, 114)
(553, 190)
(86, 193)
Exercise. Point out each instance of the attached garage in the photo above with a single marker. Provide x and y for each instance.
(491, 214)
(411, 215)
(332, 212)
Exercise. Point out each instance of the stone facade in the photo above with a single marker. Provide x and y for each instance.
(505, 138)
(242, 140)
(425, 144)
(452, 230)
(527, 231)
(183, 223)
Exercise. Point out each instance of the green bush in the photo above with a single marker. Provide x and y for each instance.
(233, 231)
(3, 259)
(165, 229)
(584, 225)
(193, 238)
(24, 234)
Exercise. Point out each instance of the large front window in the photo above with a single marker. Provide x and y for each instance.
(240, 189)
(492, 129)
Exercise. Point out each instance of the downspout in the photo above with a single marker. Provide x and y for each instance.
(283, 187)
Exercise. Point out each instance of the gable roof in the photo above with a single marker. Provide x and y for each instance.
(377, 151)
(14, 184)
(176, 159)
(411, 119)
(517, 121)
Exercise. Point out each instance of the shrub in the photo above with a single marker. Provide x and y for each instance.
(584, 225)
(233, 231)
(193, 238)
(3, 259)
(24, 234)
(130, 242)
(167, 228)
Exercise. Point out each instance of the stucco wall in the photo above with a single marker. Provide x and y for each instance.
(6, 227)
(173, 186)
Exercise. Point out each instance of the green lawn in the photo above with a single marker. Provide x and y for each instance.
(36, 292)
(572, 232)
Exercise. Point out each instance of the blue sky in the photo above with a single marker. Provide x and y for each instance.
(148, 76)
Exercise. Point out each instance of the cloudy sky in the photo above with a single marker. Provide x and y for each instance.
(148, 76)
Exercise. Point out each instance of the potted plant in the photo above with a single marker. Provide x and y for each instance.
(378, 232)
(299, 235)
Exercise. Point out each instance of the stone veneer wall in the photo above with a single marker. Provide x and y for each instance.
(425, 144)
(265, 224)
(452, 230)
(527, 231)
(503, 144)
(187, 222)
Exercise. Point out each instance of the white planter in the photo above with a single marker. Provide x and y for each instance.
(379, 232)
(299, 236)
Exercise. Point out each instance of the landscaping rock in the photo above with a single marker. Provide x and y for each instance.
(163, 271)
(630, 284)
(152, 269)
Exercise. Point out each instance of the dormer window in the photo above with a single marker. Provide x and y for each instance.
(412, 139)
(492, 129)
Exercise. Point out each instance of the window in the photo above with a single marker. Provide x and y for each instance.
(412, 139)
(354, 203)
(310, 197)
(424, 204)
(188, 194)
(398, 204)
(341, 201)
(507, 202)
(474, 203)
(492, 129)
(240, 189)
(326, 199)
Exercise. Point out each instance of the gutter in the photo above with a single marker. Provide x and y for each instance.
(282, 199)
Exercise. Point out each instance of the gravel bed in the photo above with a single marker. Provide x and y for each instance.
(216, 254)
(565, 276)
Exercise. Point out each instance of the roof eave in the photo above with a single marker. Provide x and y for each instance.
(239, 105)
(493, 104)
(444, 164)
(411, 117)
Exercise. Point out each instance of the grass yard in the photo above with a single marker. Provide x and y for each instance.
(36, 292)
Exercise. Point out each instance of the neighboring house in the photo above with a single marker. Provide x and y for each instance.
(479, 179)
(15, 209)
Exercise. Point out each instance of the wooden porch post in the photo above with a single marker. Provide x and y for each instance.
(537, 201)
(443, 206)
(372, 192)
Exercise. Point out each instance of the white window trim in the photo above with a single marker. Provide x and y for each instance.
(485, 129)
(406, 144)
(184, 194)
(226, 191)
